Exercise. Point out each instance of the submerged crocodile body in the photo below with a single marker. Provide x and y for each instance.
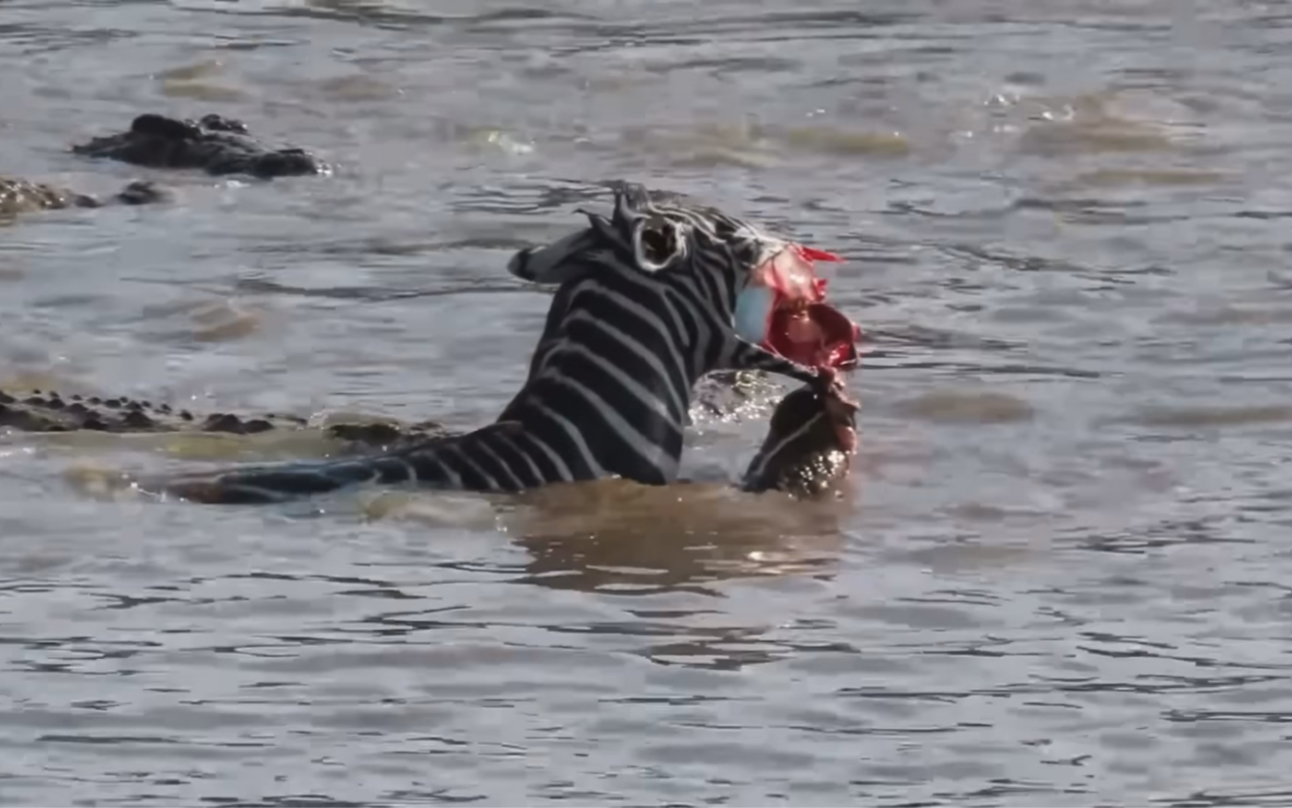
(20, 196)
(215, 144)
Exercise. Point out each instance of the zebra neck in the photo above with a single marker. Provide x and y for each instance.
(610, 382)
(561, 428)
(592, 429)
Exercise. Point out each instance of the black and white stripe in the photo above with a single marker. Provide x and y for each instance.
(643, 309)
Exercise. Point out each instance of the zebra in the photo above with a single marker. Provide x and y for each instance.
(646, 303)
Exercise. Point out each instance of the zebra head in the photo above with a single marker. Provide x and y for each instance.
(760, 289)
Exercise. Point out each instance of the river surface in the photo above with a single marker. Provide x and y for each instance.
(1063, 571)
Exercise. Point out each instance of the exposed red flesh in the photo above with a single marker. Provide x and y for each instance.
(805, 329)
(816, 335)
(802, 326)
(813, 254)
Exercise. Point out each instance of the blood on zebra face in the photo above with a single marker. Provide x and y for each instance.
(783, 309)
(779, 300)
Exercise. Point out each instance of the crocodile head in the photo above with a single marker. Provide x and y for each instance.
(809, 444)
(214, 144)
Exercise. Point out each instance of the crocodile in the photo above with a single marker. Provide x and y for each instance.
(215, 144)
(51, 411)
(21, 196)
(809, 445)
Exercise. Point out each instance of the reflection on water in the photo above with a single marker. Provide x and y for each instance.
(1056, 579)
(627, 538)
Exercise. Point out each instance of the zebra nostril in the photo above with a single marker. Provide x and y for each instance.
(519, 264)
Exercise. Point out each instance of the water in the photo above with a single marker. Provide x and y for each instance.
(1061, 574)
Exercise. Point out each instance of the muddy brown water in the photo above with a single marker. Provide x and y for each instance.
(1061, 575)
